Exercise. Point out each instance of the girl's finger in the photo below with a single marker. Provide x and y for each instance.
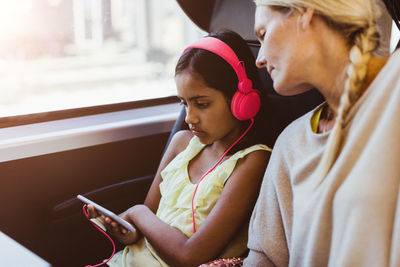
(91, 211)
(112, 224)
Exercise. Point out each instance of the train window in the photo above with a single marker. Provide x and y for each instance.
(66, 54)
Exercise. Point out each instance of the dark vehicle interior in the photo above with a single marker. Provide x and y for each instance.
(113, 166)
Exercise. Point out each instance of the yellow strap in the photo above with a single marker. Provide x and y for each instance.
(315, 119)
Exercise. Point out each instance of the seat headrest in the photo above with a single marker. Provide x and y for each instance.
(215, 15)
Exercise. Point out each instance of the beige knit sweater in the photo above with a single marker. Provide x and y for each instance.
(352, 216)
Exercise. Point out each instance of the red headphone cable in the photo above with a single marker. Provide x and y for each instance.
(104, 233)
(215, 165)
(195, 190)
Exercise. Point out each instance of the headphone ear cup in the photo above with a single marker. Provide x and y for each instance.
(245, 106)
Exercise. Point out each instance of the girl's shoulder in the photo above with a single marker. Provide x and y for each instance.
(180, 141)
(254, 151)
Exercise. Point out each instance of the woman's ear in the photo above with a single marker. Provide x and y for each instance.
(306, 17)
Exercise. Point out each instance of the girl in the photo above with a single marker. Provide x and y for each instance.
(335, 201)
(199, 204)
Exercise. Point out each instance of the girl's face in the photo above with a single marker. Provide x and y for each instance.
(207, 110)
(283, 50)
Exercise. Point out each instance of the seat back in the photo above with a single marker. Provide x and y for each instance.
(238, 16)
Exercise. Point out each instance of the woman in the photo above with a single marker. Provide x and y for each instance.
(331, 190)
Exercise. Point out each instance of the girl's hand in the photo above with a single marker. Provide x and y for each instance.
(92, 212)
(124, 236)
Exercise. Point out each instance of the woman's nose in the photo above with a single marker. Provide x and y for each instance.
(261, 62)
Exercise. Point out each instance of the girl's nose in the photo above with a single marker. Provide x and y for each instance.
(191, 117)
(261, 62)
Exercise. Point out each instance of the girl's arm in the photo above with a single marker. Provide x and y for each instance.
(178, 143)
(231, 211)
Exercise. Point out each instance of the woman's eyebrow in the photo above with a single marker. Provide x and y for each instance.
(256, 31)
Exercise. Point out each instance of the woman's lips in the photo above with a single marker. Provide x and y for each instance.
(270, 69)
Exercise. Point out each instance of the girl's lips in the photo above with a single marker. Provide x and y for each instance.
(197, 132)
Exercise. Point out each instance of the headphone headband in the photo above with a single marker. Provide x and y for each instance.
(223, 50)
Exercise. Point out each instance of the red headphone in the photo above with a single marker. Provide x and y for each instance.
(246, 102)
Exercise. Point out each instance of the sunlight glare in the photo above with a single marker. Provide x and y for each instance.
(13, 16)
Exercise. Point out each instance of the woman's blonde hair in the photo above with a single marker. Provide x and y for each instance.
(356, 20)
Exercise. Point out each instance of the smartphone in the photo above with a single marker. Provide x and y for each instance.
(108, 213)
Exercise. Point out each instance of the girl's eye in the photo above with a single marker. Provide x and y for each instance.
(202, 105)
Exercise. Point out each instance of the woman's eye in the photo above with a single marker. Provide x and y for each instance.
(261, 35)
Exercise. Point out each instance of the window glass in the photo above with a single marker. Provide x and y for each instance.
(62, 54)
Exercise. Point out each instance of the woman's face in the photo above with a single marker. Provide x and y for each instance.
(207, 110)
(283, 51)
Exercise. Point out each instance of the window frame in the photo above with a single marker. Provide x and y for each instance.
(11, 121)
(48, 137)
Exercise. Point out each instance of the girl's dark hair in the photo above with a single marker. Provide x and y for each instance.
(219, 75)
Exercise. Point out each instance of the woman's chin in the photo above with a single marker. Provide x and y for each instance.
(289, 90)
(282, 90)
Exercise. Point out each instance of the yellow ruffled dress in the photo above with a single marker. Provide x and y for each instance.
(175, 205)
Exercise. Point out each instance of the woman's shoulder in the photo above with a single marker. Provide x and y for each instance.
(396, 55)
(392, 66)
(385, 78)
(298, 127)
